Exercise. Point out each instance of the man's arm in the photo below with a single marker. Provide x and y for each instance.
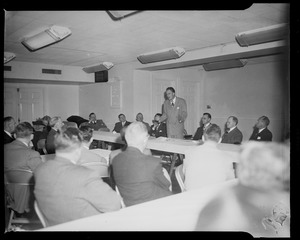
(164, 115)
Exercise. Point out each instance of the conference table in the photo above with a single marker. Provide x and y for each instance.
(170, 145)
(178, 212)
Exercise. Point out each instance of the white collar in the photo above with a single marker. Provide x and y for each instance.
(8, 133)
(206, 125)
(23, 142)
(173, 100)
(260, 130)
(231, 129)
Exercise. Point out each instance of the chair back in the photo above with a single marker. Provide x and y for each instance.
(98, 166)
(19, 176)
(39, 213)
(118, 192)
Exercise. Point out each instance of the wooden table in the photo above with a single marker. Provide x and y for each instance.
(178, 212)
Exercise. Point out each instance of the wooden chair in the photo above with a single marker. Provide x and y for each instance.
(18, 190)
(40, 214)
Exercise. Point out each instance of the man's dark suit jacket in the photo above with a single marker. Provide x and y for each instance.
(198, 134)
(118, 126)
(264, 135)
(99, 125)
(161, 131)
(234, 137)
(7, 138)
(50, 142)
(139, 177)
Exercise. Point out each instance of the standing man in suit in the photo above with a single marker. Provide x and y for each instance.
(261, 131)
(121, 124)
(9, 128)
(66, 191)
(232, 134)
(158, 129)
(204, 125)
(56, 125)
(139, 177)
(175, 113)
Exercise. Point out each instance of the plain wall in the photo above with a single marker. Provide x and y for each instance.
(59, 100)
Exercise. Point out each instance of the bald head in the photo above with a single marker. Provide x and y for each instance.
(136, 135)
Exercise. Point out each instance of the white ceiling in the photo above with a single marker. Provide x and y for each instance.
(96, 37)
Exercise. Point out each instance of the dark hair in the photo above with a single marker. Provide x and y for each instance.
(171, 89)
(24, 129)
(158, 114)
(266, 120)
(68, 139)
(208, 114)
(91, 114)
(87, 133)
(235, 119)
(213, 132)
(8, 119)
(121, 115)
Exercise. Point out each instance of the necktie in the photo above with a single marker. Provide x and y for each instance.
(172, 103)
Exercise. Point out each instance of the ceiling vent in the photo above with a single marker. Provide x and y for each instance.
(51, 71)
(7, 68)
(234, 63)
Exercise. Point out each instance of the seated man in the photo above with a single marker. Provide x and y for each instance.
(9, 128)
(19, 155)
(204, 125)
(158, 129)
(66, 191)
(122, 123)
(139, 177)
(206, 164)
(86, 154)
(261, 131)
(97, 125)
(140, 118)
(260, 203)
(56, 124)
(232, 135)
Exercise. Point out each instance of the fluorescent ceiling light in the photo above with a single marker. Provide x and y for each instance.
(262, 35)
(49, 36)
(99, 67)
(234, 63)
(8, 56)
(162, 55)
(118, 15)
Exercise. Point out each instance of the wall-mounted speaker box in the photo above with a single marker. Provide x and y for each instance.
(101, 76)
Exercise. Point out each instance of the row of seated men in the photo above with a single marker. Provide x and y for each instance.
(65, 190)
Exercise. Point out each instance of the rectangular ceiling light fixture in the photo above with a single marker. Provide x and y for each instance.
(234, 63)
(162, 55)
(8, 56)
(99, 67)
(262, 35)
(49, 36)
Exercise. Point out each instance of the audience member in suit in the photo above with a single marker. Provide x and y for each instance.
(19, 155)
(139, 177)
(260, 202)
(46, 120)
(232, 134)
(56, 125)
(66, 191)
(158, 129)
(140, 118)
(122, 123)
(204, 125)
(174, 113)
(206, 164)
(9, 128)
(96, 125)
(261, 131)
(86, 154)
